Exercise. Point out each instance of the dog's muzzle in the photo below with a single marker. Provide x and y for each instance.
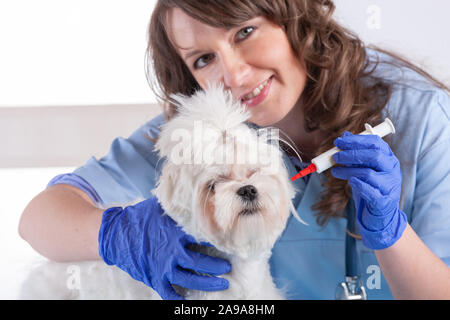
(248, 193)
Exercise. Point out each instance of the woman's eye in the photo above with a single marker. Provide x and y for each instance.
(196, 66)
(245, 31)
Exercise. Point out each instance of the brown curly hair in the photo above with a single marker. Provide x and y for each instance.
(334, 58)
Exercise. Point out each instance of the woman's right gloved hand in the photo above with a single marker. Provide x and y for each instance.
(146, 243)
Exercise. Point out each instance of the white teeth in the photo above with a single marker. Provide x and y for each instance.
(256, 92)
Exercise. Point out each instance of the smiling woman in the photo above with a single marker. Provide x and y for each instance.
(244, 58)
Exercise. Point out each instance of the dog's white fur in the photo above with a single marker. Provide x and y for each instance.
(245, 238)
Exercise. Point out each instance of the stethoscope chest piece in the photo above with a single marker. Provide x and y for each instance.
(351, 289)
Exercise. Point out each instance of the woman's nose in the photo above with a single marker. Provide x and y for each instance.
(235, 70)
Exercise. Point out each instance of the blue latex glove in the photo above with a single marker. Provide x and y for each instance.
(148, 245)
(374, 175)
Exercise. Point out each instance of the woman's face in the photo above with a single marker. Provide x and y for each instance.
(242, 58)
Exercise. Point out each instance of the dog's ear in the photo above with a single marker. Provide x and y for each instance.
(174, 192)
(165, 186)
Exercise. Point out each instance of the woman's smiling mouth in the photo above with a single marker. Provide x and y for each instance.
(258, 94)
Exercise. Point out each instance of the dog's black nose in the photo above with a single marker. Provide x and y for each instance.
(247, 192)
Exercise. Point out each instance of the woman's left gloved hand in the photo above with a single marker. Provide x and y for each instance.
(374, 175)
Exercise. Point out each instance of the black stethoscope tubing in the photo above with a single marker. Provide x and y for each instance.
(351, 254)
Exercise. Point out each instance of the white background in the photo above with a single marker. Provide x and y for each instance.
(56, 52)
(85, 52)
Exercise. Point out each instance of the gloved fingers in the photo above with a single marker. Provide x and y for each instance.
(189, 280)
(386, 183)
(356, 141)
(203, 263)
(370, 194)
(371, 158)
(206, 244)
(188, 239)
(367, 175)
(168, 293)
(370, 222)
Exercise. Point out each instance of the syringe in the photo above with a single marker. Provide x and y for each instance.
(325, 160)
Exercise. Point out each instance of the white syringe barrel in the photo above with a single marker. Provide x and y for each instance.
(325, 160)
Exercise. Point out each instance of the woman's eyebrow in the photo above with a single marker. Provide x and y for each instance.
(192, 53)
(228, 30)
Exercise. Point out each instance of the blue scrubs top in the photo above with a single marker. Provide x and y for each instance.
(309, 261)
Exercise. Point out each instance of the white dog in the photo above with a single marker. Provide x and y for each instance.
(223, 182)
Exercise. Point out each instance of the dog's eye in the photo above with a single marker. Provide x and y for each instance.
(211, 185)
(252, 172)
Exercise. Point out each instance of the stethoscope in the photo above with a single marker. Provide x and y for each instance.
(352, 288)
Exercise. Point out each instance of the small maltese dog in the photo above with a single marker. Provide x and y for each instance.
(224, 182)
